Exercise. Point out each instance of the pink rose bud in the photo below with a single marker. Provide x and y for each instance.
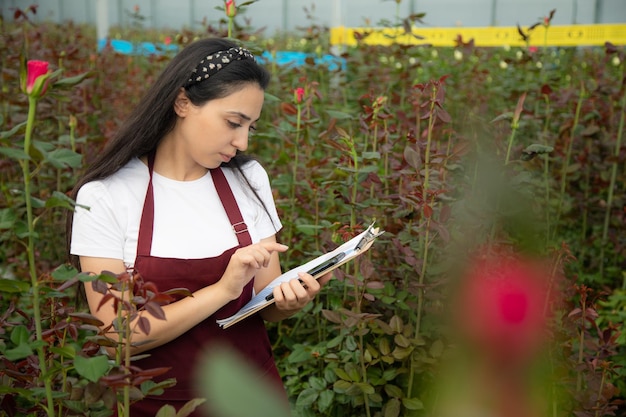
(299, 94)
(231, 8)
(35, 69)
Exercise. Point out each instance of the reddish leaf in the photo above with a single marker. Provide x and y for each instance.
(144, 325)
(443, 115)
(412, 157)
(87, 318)
(428, 211)
(331, 316)
(574, 312)
(288, 108)
(155, 310)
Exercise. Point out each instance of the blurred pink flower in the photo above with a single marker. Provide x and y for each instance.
(298, 94)
(501, 308)
(167, 40)
(34, 70)
(532, 49)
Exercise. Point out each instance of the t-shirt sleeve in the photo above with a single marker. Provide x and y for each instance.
(95, 229)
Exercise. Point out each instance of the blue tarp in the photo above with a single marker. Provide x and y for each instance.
(280, 57)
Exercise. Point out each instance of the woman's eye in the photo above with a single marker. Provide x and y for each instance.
(252, 128)
(233, 124)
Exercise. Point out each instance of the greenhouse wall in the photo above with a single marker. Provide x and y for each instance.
(288, 15)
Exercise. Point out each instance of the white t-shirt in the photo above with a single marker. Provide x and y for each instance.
(189, 219)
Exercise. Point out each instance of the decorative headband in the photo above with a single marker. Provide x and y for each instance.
(215, 62)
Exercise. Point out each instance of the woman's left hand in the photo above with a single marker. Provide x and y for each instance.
(296, 293)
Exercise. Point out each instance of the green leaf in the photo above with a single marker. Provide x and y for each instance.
(412, 404)
(392, 408)
(342, 374)
(371, 155)
(307, 397)
(166, 411)
(393, 391)
(7, 218)
(13, 286)
(271, 98)
(8, 133)
(317, 383)
(504, 116)
(62, 157)
(67, 351)
(64, 272)
(14, 153)
(189, 407)
(339, 115)
(157, 388)
(20, 335)
(19, 352)
(436, 349)
(300, 354)
(71, 81)
(342, 386)
(92, 368)
(535, 149)
(325, 400)
(59, 199)
(365, 387)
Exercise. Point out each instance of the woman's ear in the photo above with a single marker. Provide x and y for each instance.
(182, 103)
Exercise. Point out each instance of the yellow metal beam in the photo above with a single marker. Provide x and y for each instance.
(567, 35)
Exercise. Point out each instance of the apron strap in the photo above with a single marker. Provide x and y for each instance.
(230, 205)
(144, 238)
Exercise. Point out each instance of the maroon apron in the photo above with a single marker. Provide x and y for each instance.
(183, 354)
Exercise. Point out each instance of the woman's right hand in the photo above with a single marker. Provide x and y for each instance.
(245, 263)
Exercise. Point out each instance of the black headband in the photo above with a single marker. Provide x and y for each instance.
(215, 62)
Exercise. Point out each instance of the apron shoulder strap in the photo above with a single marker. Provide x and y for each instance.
(230, 205)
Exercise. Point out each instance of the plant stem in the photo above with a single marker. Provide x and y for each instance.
(25, 164)
(424, 241)
(568, 156)
(581, 340)
(609, 202)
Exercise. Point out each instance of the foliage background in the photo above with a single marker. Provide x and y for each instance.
(447, 149)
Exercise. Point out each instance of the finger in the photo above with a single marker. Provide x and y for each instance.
(323, 280)
(274, 246)
(309, 282)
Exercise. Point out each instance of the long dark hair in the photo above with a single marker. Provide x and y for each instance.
(154, 116)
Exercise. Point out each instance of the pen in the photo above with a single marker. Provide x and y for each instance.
(318, 269)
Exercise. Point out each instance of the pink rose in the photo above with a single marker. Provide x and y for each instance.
(34, 70)
(501, 308)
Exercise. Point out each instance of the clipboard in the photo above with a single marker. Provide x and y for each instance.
(316, 267)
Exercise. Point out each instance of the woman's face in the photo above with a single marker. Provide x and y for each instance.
(212, 133)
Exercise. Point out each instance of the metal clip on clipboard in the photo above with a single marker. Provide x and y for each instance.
(370, 234)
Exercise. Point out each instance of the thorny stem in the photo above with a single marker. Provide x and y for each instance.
(25, 164)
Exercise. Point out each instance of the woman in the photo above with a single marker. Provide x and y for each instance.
(173, 198)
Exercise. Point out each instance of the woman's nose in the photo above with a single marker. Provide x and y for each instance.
(241, 140)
